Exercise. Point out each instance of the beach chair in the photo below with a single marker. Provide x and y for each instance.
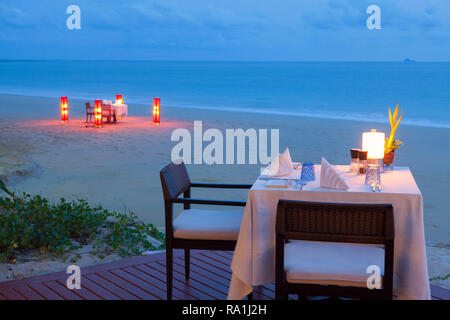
(109, 113)
(325, 249)
(90, 112)
(195, 228)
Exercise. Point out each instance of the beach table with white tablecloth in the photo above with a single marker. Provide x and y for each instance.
(120, 109)
(254, 257)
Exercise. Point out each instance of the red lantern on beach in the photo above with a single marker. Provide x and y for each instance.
(98, 113)
(156, 103)
(64, 110)
(119, 99)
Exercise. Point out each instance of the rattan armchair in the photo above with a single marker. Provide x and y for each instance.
(323, 249)
(191, 229)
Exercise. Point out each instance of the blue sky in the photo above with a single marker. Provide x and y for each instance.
(299, 30)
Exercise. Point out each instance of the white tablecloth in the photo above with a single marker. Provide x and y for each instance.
(254, 257)
(120, 109)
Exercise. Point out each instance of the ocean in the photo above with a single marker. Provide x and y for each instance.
(332, 90)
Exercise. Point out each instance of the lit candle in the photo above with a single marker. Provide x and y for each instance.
(373, 143)
(156, 111)
(64, 110)
(98, 113)
(119, 99)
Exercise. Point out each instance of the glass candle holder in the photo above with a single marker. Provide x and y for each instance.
(373, 176)
(308, 172)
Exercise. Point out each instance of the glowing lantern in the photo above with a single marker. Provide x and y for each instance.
(64, 110)
(119, 99)
(373, 143)
(98, 113)
(156, 104)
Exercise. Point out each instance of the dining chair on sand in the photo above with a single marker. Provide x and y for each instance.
(325, 249)
(90, 112)
(109, 113)
(194, 228)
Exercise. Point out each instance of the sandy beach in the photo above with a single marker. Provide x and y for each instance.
(118, 165)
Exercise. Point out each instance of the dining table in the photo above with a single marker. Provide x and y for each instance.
(253, 261)
(120, 109)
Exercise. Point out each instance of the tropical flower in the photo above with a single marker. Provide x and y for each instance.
(391, 143)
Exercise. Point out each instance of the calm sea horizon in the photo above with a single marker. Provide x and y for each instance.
(359, 91)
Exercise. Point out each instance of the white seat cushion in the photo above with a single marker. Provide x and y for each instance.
(331, 263)
(207, 224)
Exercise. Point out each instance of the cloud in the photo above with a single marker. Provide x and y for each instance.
(15, 17)
(221, 29)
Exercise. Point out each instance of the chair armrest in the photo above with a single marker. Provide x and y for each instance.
(210, 202)
(220, 185)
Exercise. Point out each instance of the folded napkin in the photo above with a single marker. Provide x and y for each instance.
(330, 177)
(281, 166)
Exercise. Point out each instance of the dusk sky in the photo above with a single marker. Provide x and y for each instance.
(293, 30)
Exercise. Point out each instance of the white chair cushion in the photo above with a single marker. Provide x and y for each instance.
(331, 263)
(207, 224)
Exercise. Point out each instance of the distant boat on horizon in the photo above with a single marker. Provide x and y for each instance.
(407, 60)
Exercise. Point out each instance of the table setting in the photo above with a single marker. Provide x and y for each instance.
(364, 181)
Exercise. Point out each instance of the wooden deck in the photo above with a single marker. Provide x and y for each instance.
(143, 278)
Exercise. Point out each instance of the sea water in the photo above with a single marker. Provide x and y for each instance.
(332, 90)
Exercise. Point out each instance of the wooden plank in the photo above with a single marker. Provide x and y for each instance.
(145, 273)
(211, 268)
(225, 255)
(224, 263)
(62, 290)
(144, 278)
(45, 292)
(83, 292)
(111, 287)
(207, 273)
(11, 294)
(92, 291)
(439, 293)
(162, 277)
(198, 277)
(207, 259)
(180, 283)
(151, 289)
(125, 285)
(91, 269)
(218, 258)
(29, 293)
(193, 283)
(181, 287)
(210, 265)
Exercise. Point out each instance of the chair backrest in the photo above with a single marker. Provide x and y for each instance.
(88, 106)
(174, 180)
(107, 109)
(334, 222)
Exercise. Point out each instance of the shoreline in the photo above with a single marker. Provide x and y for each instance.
(249, 111)
(118, 165)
